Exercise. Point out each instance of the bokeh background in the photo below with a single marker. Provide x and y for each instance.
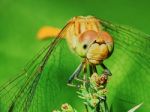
(20, 21)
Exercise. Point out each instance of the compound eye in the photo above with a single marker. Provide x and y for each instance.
(84, 46)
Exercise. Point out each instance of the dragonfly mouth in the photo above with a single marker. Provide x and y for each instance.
(94, 61)
(97, 53)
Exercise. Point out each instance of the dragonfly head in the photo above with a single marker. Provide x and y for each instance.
(94, 46)
(86, 37)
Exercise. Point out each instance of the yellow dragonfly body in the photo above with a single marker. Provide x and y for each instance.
(86, 37)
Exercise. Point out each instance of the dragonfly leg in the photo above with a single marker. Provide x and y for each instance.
(76, 73)
(106, 70)
(92, 69)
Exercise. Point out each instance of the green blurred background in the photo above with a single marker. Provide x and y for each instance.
(21, 19)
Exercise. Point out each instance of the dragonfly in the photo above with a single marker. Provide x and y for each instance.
(94, 40)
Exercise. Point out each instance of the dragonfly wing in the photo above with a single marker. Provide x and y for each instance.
(129, 64)
(132, 42)
(17, 95)
(129, 38)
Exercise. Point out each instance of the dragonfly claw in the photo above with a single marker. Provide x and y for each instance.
(107, 72)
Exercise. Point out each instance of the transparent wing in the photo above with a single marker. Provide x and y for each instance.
(30, 90)
(129, 38)
(130, 65)
(131, 42)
